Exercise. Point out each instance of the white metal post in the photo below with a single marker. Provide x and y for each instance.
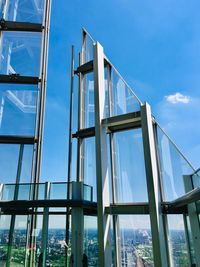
(105, 257)
(158, 240)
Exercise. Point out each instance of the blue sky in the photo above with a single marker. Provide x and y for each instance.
(154, 44)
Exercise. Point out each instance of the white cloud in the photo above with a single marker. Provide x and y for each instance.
(178, 98)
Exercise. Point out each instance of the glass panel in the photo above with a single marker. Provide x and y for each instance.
(106, 84)
(122, 98)
(9, 155)
(173, 167)
(58, 191)
(88, 100)
(8, 163)
(130, 177)
(24, 11)
(90, 240)
(135, 240)
(18, 251)
(90, 164)
(56, 241)
(87, 193)
(87, 49)
(8, 192)
(18, 105)
(20, 53)
(26, 164)
(178, 246)
(4, 237)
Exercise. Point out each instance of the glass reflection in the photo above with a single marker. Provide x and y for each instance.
(173, 167)
(90, 240)
(87, 49)
(23, 11)
(130, 179)
(18, 105)
(178, 245)
(16, 46)
(18, 250)
(122, 98)
(90, 164)
(9, 162)
(57, 247)
(4, 237)
(88, 99)
(135, 240)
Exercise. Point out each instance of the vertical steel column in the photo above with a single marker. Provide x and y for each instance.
(42, 93)
(45, 227)
(194, 220)
(81, 107)
(77, 225)
(157, 229)
(103, 220)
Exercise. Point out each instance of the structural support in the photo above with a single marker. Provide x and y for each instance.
(43, 253)
(157, 225)
(194, 220)
(101, 160)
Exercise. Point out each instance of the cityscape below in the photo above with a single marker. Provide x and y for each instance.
(136, 248)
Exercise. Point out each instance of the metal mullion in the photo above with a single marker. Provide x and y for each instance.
(81, 120)
(18, 79)
(13, 26)
(43, 72)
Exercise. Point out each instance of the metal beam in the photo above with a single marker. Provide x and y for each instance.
(84, 133)
(18, 79)
(29, 140)
(20, 26)
(117, 209)
(122, 122)
(22, 204)
(191, 197)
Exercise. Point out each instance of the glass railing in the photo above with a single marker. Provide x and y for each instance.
(173, 167)
(87, 48)
(57, 191)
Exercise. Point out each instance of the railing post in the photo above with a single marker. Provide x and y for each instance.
(43, 253)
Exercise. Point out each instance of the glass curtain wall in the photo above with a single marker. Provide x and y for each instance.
(23, 53)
